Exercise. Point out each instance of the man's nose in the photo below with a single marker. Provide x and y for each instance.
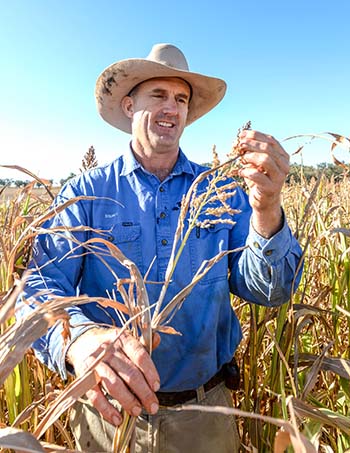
(170, 106)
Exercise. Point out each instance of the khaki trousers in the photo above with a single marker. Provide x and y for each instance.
(165, 432)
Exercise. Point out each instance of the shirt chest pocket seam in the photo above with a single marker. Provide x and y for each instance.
(128, 238)
(205, 243)
(120, 233)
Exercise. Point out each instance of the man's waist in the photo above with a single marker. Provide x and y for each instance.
(229, 374)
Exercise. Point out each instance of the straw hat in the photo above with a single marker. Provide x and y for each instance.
(164, 60)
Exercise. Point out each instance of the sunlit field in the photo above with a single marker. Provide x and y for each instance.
(295, 360)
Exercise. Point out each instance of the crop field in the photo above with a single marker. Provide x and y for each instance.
(11, 193)
(295, 359)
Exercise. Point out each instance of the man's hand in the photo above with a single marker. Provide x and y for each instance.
(127, 372)
(265, 165)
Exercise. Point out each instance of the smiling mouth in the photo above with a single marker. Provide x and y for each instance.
(165, 124)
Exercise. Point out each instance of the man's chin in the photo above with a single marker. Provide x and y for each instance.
(166, 141)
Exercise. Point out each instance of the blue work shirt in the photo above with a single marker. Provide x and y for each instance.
(139, 214)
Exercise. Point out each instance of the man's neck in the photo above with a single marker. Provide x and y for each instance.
(159, 164)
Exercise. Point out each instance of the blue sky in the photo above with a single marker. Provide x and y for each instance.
(286, 64)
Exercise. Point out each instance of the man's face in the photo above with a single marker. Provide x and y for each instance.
(158, 110)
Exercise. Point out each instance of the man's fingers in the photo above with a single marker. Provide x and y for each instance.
(106, 409)
(127, 371)
(133, 386)
(265, 154)
(257, 141)
(116, 387)
(276, 167)
(138, 355)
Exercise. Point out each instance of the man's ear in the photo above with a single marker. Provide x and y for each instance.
(128, 106)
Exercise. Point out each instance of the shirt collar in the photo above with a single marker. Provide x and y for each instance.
(130, 164)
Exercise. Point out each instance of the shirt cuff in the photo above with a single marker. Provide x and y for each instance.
(271, 250)
(78, 325)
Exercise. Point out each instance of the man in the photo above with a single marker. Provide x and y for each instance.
(137, 205)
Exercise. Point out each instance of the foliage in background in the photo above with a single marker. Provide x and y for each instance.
(302, 349)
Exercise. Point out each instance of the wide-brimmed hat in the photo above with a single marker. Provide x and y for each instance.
(164, 60)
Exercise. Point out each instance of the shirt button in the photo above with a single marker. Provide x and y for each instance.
(164, 242)
(268, 252)
(161, 189)
(162, 215)
(256, 245)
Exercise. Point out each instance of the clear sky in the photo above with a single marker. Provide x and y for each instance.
(286, 63)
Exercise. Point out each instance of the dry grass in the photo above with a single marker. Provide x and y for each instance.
(11, 193)
(295, 359)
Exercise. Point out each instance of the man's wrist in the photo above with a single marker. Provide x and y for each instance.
(268, 223)
(73, 343)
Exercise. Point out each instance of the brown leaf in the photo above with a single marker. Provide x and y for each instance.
(105, 302)
(298, 150)
(340, 164)
(282, 441)
(19, 220)
(168, 329)
(298, 441)
(338, 139)
(301, 444)
(44, 182)
(66, 399)
(8, 301)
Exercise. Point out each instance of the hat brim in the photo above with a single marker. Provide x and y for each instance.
(120, 78)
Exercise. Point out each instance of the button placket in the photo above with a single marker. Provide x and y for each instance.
(163, 228)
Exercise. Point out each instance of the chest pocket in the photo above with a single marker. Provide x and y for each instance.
(127, 237)
(205, 243)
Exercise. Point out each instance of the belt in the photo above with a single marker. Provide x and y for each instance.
(174, 398)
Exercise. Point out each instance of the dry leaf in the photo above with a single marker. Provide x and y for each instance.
(44, 182)
(18, 440)
(282, 441)
(345, 231)
(336, 365)
(338, 139)
(298, 150)
(322, 415)
(168, 329)
(340, 164)
(66, 399)
(300, 443)
(312, 375)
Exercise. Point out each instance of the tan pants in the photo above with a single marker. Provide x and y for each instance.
(165, 432)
